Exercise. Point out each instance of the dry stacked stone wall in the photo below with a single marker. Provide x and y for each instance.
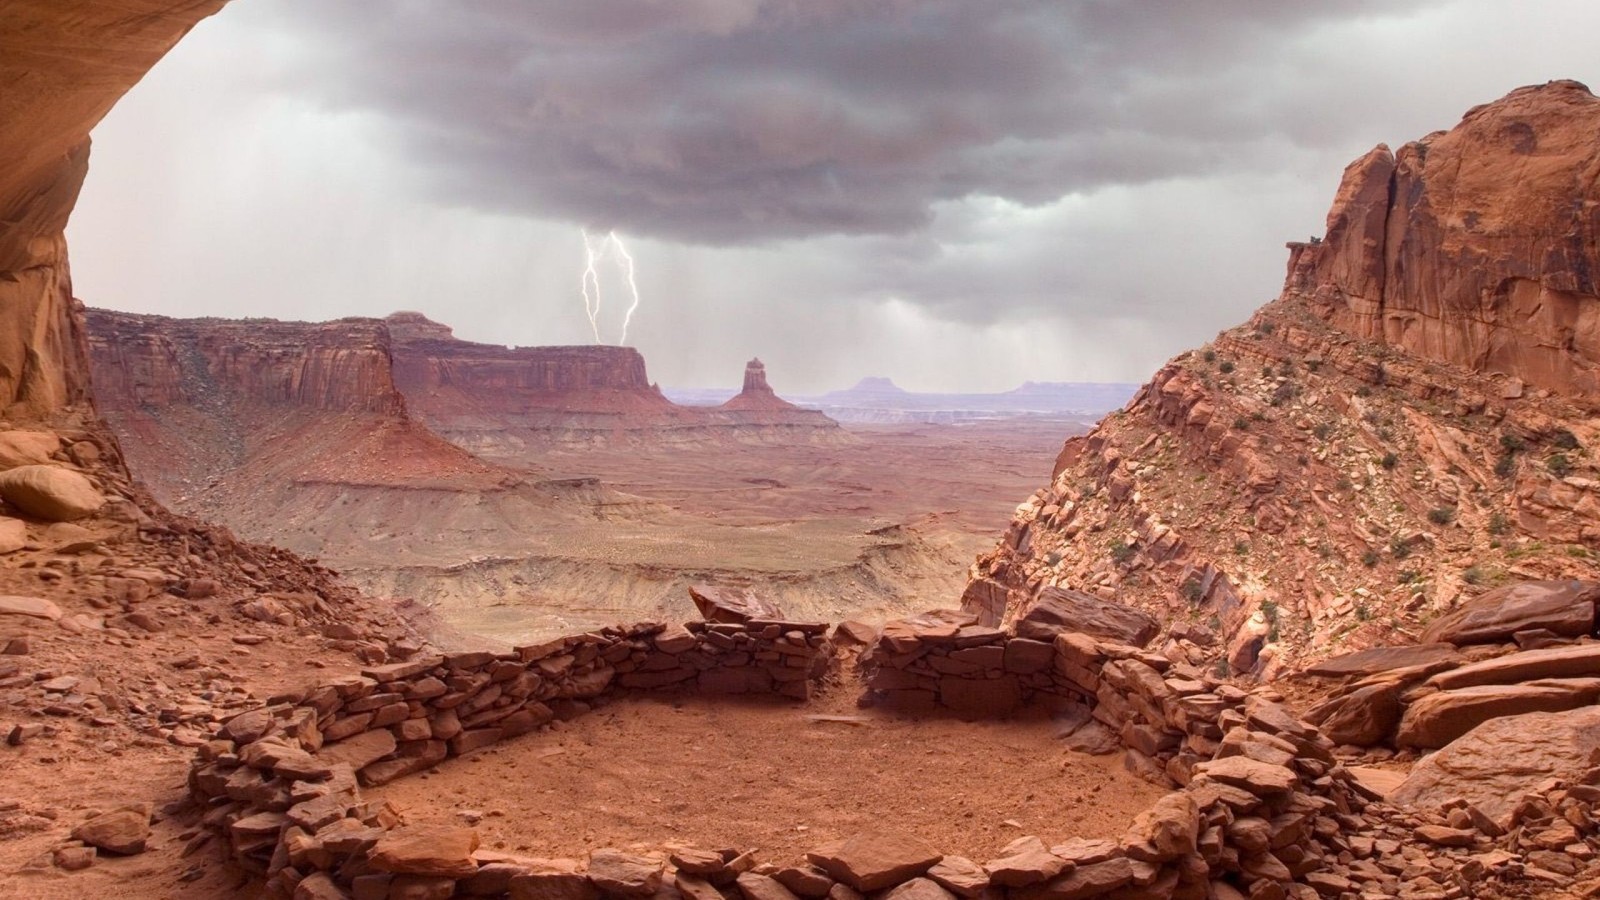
(1264, 809)
(281, 783)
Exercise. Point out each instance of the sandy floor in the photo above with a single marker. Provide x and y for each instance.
(650, 774)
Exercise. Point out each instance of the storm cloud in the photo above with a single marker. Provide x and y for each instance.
(741, 121)
(957, 194)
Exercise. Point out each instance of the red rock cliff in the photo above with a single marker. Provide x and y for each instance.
(153, 361)
(446, 376)
(63, 64)
(1479, 246)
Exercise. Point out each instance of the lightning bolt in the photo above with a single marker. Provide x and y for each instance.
(591, 303)
(595, 251)
(627, 266)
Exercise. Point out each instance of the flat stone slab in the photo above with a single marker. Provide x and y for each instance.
(1259, 778)
(35, 607)
(437, 850)
(1549, 662)
(1376, 660)
(1058, 610)
(1561, 607)
(1437, 719)
(874, 861)
(731, 605)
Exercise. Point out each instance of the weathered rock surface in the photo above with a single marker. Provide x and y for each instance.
(876, 860)
(1547, 662)
(1439, 251)
(1560, 607)
(50, 493)
(27, 448)
(36, 607)
(64, 64)
(440, 850)
(1375, 660)
(1494, 765)
(1363, 717)
(1437, 719)
(1059, 610)
(123, 832)
(732, 605)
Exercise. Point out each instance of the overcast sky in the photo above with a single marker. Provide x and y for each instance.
(955, 194)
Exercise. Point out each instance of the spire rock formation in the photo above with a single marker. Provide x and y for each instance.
(1411, 423)
(757, 394)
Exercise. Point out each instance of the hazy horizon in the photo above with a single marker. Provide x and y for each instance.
(959, 197)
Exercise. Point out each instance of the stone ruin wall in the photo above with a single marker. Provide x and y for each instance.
(1262, 799)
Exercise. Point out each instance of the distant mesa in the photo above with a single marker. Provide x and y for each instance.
(236, 379)
(877, 385)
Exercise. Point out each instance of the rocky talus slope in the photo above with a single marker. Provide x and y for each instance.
(1410, 423)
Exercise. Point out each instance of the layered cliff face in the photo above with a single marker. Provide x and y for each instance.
(258, 400)
(1410, 423)
(63, 64)
(513, 404)
(1476, 246)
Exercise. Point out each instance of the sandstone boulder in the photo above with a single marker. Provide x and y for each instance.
(1363, 717)
(27, 448)
(123, 832)
(438, 850)
(873, 861)
(1498, 762)
(35, 607)
(1437, 719)
(1562, 607)
(1376, 660)
(50, 493)
(1060, 610)
(731, 605)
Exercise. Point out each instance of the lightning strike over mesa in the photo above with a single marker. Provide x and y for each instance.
(596, 251)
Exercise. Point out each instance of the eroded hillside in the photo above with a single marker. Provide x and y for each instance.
(1411, 422)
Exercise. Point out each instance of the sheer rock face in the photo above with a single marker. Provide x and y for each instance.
(154, 361)
(63, 64)
(261, 401)
(1478, 247)
(1410, 423)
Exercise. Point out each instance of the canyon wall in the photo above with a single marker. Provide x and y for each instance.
(511, 404)
(1410, 423)
(266, 404)
(63, 64)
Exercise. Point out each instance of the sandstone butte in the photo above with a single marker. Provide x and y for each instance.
(1446, 319)
(1411, 422)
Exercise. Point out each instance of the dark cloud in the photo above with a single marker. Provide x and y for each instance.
(736, 121)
